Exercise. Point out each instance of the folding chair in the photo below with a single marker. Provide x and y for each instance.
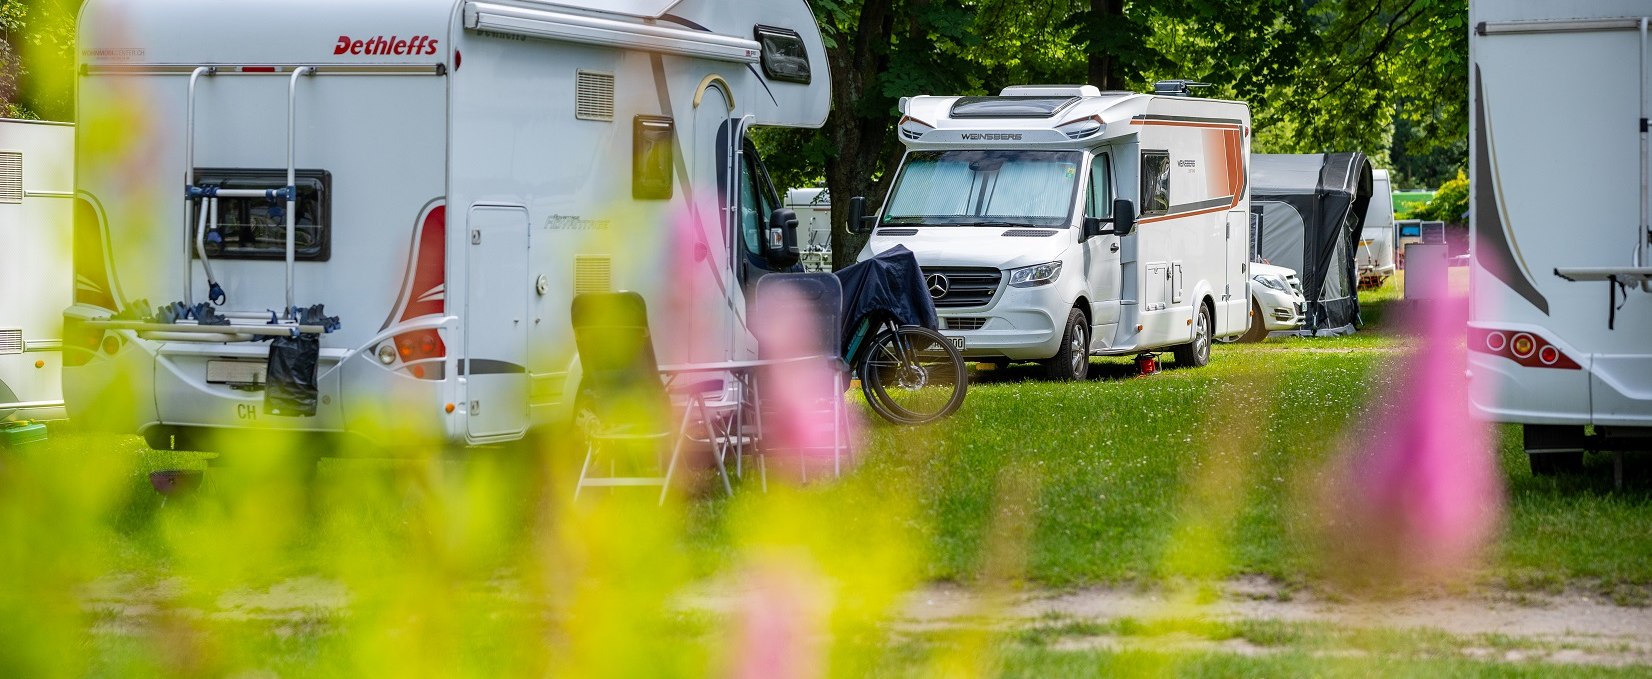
(629, 405)
(822, 295)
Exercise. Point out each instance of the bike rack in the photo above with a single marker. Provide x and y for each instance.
(209, 195)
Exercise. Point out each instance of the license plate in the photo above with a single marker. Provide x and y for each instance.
(236, 372)
(957, 343)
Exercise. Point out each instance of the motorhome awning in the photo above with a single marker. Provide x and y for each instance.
(1312, 209)
(593, 30)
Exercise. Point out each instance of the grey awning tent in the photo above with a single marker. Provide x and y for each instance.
(1309, 210)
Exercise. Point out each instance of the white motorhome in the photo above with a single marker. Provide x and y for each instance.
(1561, 307)
(814, 226)
(1375, 258)
(443, 175)
(36, 185)
(1059, 222)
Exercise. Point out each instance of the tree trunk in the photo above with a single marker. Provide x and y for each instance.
(858, 124)
(1104, 67)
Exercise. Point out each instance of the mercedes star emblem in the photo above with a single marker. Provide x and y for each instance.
(938, 285)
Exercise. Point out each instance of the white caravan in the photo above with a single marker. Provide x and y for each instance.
(36, 185)
(443, 175)
(1561, 308)
(814, 226)
(1023, 210)
(1375, 258)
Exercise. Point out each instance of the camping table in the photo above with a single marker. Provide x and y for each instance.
(743, 372)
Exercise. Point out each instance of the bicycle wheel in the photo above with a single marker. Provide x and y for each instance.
(913, 375)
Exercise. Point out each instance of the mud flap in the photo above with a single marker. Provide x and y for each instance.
(290, 389)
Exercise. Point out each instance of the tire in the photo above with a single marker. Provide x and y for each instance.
(1196, 354)
(913, 375)
(1258, 329)
(1072, 361)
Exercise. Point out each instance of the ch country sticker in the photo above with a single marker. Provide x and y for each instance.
(380, 45)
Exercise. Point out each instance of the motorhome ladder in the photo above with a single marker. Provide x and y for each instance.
(207, 197)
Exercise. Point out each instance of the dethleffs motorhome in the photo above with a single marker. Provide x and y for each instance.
(36, 182)
(443, 175)
(1059, 222)
(1560, 320)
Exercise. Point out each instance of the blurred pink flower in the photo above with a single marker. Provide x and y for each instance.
(781, 625)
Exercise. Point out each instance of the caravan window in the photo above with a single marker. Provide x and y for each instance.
(986, 188)
(653, 139)
(1100, 202)
(256, 228)
(757, 198)
(1155, 182)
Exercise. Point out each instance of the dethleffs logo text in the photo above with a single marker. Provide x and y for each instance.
(380, 45)
(990, 136)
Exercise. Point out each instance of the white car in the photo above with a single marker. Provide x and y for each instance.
(1275, 301)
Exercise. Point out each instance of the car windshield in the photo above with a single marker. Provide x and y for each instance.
(985, 188)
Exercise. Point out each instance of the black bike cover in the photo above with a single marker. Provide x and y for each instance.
(890, 283)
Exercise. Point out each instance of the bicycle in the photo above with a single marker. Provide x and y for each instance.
(910, 374)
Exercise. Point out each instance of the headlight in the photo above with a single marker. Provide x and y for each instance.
(1271, 281)
(1036, 275)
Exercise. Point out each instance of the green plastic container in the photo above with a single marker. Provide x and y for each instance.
(19, 434)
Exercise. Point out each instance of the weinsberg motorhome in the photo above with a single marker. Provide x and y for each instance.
(1560, 311)
(1059, 222)
(443, 175)
(36, 185)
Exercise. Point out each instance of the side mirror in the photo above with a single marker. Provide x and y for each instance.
(1092, 228)
(1124, 217)
(780, 239)
(860, 223)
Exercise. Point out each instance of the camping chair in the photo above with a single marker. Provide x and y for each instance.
(629, 406)
(823, 295)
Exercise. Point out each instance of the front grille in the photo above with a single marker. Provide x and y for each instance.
(11, 341)
(965, 286)
(897, 232)
(956, 323)
(1029, 233)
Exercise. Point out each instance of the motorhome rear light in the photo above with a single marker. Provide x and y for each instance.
(1528, 349)
(420, 345)
(257, 69)
(111, 345)
(387, 353)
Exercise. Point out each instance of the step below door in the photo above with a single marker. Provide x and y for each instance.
(496, 328)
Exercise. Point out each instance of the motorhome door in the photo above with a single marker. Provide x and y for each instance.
(1101, 253)
(495, 322)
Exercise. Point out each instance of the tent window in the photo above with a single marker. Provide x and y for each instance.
(1155, 182)
(652, 142)
(1100, 203)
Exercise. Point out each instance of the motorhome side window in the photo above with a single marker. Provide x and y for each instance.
(256, 228)
(1100, 202)
(757, 198)
(1155, 182)
(652, 157)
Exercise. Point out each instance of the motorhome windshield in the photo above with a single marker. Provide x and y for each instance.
(986, 188)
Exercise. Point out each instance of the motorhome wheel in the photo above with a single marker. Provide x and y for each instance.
(1196, 353)
(1072, 361)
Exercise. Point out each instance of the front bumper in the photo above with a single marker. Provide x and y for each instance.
(1281, 311)
(1019, 324)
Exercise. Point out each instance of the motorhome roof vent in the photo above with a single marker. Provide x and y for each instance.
(1050, 91)
(594, 96)
(1010, 107)
(11, 177)
(1176, 88)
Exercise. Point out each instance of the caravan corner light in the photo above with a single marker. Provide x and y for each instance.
(912, 128)
(1523, 347)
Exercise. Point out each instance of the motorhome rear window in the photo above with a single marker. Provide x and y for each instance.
(986, 188)
(256, 228)
(1010, 107)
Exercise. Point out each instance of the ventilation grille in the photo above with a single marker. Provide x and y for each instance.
(964, 286)
(594, 96)
(11, 341)
(1029, 233)
(897, 232)
(11, 177)
(964, 323)
(593, 274)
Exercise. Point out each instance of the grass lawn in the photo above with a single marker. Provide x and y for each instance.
(1188, 476)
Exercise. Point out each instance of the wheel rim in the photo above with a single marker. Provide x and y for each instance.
(1201, 337)
(1081, 353)
(913, 376)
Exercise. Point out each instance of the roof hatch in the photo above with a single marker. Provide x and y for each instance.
(1010, 107)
